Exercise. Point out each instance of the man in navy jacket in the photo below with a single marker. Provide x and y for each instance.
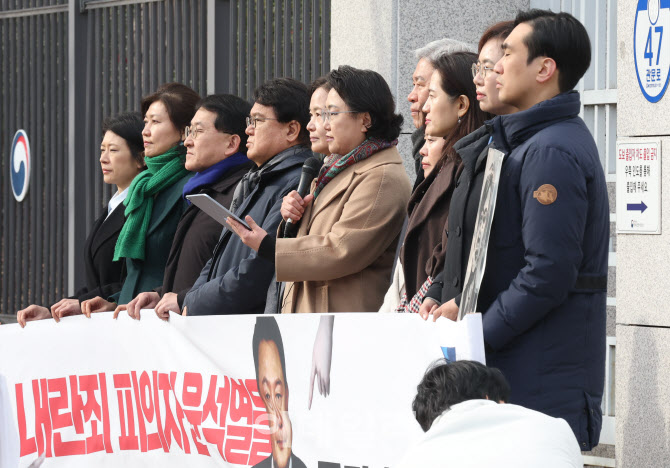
(543, 292)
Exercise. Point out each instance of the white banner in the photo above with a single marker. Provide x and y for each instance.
(104, 392)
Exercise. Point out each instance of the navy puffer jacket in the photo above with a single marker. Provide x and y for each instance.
(544, 289)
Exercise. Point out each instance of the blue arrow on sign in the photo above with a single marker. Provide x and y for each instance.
(635, 207)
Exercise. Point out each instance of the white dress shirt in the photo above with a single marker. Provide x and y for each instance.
(116, 200)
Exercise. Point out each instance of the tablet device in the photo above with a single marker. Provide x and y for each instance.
(215, 209)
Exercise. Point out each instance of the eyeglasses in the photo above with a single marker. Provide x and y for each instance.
(193, 133)
(253, 121)
(478, 68)
(327, 115)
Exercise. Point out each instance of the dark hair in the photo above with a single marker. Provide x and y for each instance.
(456, 75)
(266, 329)
(179, 101)
(320, 82)
(290, 101)
(367, 91)
(448, 383)
(231, 112)
(498, 389)
(498, 31)
(129, 127)
(559, 36)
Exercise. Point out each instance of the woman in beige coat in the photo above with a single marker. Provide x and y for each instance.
(341, 258)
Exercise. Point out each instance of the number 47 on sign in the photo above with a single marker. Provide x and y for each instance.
(648, 52)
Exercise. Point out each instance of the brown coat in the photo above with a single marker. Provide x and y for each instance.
(342, 257)
(425, 241)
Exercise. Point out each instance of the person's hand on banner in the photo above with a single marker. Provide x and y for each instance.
(65, 308)
(322, 356)
(428, 306)
(251, 238)
(30, 313)
(145, 300)
(97, 304)
(166, 305)
(447, 310)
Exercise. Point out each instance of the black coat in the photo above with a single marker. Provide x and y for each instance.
(417, 143)
(196, 236)
(473, 150)
(103, 275)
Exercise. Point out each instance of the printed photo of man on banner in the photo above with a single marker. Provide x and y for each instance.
(270, 363)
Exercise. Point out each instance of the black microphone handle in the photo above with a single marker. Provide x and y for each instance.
(291, 228)
(309, 171)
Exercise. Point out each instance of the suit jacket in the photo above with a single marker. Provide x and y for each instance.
(196, 236)
(342, 257)
(104, 276)
(267, 463)
(146, 275)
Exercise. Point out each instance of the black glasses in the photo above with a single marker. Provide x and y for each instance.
(253, 121)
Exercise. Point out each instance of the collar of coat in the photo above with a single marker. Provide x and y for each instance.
(510, 131)
(343, 180)
(418, 141)
(230, 178)
(471, 149)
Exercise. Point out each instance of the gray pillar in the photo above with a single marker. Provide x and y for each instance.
(643, 289)
(219, 46)
(77, 124)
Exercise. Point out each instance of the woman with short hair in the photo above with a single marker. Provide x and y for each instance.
(341, 259)
(121, 160)
(154, 204)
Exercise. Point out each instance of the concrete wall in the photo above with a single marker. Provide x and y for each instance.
(643, 269)
(382, 34)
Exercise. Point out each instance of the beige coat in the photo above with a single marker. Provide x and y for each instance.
(342, 257)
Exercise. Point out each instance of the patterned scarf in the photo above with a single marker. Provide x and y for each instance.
(162, 171)
(334, 163)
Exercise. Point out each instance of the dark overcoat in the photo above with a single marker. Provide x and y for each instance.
(104, 276)
(196, 236)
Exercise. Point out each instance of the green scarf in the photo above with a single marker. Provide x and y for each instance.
(162, 171)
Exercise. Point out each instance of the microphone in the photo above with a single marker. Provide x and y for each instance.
(309, 170)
